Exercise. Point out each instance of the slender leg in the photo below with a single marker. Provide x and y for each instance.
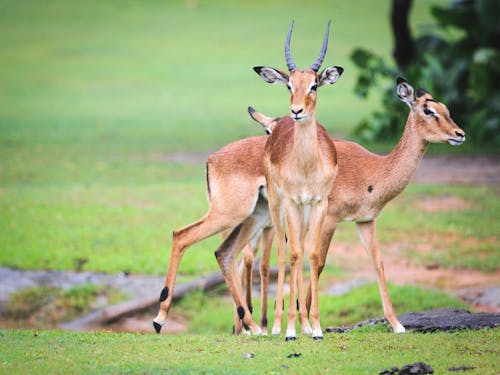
(279, 301)
(327, 232)
(293, 222)
(275, 210)
(367, 235)
(227, 252)
(301, 307)
(182, 239)
(249, 252)
(267, 241)
(315, 225)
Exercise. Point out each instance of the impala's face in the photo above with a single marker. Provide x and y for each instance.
(302, 85)
(434, 123)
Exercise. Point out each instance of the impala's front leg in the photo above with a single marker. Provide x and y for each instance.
(327, 231)
(314, 239)
(367, 235)
(293, 222)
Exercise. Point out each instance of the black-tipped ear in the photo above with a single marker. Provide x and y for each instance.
(271, 75)
(251, 111)
(421, 92)
(401, 80)
(405, 92)
(330, 75)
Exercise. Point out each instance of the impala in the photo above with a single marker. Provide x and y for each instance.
(236, 186)
(366, 181)
(300, 165)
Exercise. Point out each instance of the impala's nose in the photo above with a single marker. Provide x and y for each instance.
(460, 133)
(297, 111)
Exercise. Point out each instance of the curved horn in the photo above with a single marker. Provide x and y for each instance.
(317, 64)
(288, 57)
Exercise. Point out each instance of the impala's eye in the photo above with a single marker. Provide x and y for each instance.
(289, 87)
(314, 87)
(428, 111)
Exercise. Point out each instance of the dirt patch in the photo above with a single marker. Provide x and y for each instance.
(356, 264)
(444, 203)
(454, 169)
(433, 169)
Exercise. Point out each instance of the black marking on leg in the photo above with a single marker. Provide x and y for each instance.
(164, 294)
(290, 338)
(317, 337)
(241, 312)
(250, 308)
(297, 302)
(228, 242)
(263, 322)
(247, 328)
(370, 188)
(157, 327)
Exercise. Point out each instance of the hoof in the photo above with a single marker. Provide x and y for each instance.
(157, 327)
(399, 329)
(290, 338)
(317, 337)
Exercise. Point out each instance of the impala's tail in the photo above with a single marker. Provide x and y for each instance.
(268, 123)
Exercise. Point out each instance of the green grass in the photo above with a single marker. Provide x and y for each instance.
(94, 96)
(367, 353)
(211, 313)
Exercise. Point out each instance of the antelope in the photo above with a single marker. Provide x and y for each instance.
(235, 183)
(300, 165)
(366, 182)
(238, 199)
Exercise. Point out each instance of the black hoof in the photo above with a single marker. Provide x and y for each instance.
(317, 337)
(157, 327)
(290, 338)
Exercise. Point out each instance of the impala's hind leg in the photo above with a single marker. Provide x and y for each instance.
(182, 239)
(267, 241)
(227, 252)
(368, 237)
(245, 270)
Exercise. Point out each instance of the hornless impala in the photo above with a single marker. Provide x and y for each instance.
(235, 183)
(300, 165)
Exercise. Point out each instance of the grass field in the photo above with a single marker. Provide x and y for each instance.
(93, 98)
(364, 353)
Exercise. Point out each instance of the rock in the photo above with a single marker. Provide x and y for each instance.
(448, 320)
(434, 320)
(417, 368)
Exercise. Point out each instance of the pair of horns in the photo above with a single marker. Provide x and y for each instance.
(317, 64)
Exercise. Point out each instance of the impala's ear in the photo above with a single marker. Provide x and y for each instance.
(272, 75)
(330, 75)
(405, 92)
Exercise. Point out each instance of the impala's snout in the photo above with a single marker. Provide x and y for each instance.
(460, 138)
(297, 113)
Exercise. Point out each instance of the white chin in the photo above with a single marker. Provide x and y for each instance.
(454, 142)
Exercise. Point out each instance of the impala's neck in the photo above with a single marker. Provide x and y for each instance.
(305, 144)
(401, 164)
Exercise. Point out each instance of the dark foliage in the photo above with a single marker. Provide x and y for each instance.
(462, 71)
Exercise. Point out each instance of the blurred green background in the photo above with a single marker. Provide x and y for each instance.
(96, 95)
